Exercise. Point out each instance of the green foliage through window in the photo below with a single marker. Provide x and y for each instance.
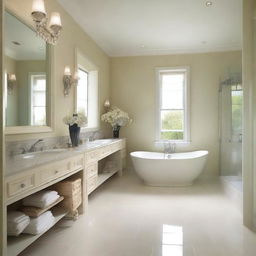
(237, 111)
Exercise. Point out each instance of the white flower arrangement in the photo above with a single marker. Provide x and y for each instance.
(116, 117)
(80, 119)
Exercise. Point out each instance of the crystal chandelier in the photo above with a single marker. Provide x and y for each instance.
(49, 34)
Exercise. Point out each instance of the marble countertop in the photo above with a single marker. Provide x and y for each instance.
(23, 162)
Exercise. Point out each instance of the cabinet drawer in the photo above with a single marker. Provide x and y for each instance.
(91, 184)
(105, 151)
(77, 163)
(19, 185)
(92, 170)
(54, 171)
(92, 156)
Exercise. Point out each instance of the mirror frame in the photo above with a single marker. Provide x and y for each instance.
(50, 59)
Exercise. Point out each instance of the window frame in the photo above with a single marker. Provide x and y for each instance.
(186, 102)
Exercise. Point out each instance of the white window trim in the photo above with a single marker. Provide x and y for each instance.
(186, 103)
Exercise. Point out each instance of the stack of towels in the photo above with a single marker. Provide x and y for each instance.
(41, 199)
(40, 224)
(16, 222)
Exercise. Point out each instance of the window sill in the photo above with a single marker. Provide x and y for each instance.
(183, 142)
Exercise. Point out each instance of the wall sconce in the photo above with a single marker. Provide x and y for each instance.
(11, 82)
(107, 105)
(68, 80)
(51, 34)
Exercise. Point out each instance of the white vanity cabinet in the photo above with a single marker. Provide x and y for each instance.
(82, 162)
(30, 181)
(113, 150)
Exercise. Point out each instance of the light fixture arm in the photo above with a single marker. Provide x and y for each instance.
(68, 81)
(45, 33)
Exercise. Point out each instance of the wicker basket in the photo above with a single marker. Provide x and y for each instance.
(72, 192)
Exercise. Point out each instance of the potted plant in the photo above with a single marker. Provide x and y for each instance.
(116, 118)
(75, 122)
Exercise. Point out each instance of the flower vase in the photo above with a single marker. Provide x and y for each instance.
(116, 130)
(74, 132)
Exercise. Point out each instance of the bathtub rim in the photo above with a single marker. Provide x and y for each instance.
(204, 153)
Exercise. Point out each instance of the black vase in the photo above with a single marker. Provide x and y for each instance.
(116, 130)
(74, 132)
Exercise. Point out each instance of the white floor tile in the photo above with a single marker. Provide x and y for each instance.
(126, 218)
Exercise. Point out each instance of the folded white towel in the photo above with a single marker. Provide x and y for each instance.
(41, 199)
(15, 216)
(16, 223)
(40, 224)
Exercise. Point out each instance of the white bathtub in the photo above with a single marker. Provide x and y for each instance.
(181, 169)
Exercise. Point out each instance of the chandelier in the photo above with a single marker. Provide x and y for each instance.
(48, 33)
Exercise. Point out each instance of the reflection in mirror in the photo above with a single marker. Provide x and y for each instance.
(25, 75)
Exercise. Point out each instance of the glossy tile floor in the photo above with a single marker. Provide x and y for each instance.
(126, 218)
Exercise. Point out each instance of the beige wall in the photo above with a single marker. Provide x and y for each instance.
(72, 37)
(133, 82)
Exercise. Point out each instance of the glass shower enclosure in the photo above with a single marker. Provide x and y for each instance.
(231, 129)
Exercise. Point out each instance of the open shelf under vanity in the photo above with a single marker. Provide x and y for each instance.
(17, 244)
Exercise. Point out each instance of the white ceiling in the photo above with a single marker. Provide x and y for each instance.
(31, 46)
(149, 27)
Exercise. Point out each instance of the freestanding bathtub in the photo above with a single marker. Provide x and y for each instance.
(177, 169)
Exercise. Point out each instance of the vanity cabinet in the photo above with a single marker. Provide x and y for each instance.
(94, 177)
(83, 163)
(28, 182)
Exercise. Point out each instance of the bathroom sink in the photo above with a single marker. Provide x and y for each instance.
(25, 156)
(100, 142)
(44, 153)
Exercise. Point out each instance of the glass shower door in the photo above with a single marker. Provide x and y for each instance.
(231, 136)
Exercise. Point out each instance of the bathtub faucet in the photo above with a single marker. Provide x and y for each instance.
(169, 148)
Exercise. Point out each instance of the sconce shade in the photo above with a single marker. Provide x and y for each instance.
(38, 6)
(76, 76)
(12, 77)
(106, 104)
(38, 10)
(67, 71)
(55, 22)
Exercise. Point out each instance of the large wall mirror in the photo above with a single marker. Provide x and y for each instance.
(27, 66)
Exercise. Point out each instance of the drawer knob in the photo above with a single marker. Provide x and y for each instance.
(56, 172)
(22, 185)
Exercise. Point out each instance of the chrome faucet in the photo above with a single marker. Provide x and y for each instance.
(33, 147)
(169, 148)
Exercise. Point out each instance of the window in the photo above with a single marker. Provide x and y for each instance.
(82, 92)
(38, 99)
(172, 109)
(237, 109)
